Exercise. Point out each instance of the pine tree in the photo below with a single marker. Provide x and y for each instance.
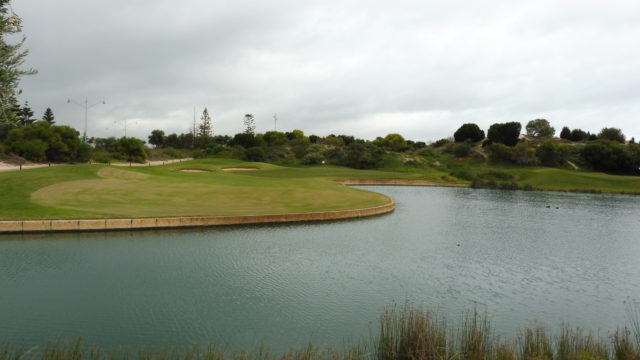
(48, 116)
(249, 124)
(205, 128)
(24, 114)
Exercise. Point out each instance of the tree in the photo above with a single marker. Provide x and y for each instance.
(24, 114)
(249, 124)
(565, 133)
(579, 135)
(613, 134)
(540, 128)
(11, 59)
(157, 138)
(132, 149)
(505, 133)
(205, 128)
(48, 116)
(470, 132)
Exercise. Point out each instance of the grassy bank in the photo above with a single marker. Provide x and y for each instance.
(403, 333)
(194, 188)
(205, 188)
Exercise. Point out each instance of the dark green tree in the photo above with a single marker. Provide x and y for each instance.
(470, 132)
(613, 134)
(48, 116)
(540, 128)
(132, 149)
(157, 138)
(505, 133)
(25, 114)
(579, 135)
(565, 133)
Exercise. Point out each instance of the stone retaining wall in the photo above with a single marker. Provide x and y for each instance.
(397, 182)
(22, 226)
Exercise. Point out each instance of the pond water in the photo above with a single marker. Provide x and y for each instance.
(518, 256)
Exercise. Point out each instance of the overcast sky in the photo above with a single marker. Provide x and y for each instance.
(361, 67)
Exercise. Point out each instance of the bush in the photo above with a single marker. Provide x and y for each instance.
(313, 158)
(173, 153)
(611, 156)
(246, 140)
(500, 153)
(360, 156)
(33, 150)
(524, 154)
(441, 142)
(255, 153)
(470, 132)
(550, 153)
(101, 156)
(458, 149)
(505, 133)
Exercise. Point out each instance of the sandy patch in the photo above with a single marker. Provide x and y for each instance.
(194, 170)
(239, 169)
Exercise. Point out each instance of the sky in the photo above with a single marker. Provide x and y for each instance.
(364, 68)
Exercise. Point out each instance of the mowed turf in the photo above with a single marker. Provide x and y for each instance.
(99, 191)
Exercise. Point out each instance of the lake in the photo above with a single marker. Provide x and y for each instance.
(522, 257)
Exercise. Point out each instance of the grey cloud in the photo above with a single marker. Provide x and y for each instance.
(361, 67)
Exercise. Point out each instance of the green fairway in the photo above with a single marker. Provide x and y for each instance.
(205, 188)
(194, 188)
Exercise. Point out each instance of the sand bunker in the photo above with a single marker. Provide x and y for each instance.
(239, 169)
(194, 170)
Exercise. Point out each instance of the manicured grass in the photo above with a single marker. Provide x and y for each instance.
(99, 191)
(571, 180)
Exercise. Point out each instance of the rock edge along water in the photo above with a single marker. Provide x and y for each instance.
(26, 226)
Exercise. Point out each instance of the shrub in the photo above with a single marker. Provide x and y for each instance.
(550, 153)
(173, 153)
(470, 132)
(500, 153)
(458, 149)
(524, 154)
(255, 153)
(33, 150)
(611, 156)
(441, 142)
(313, 158)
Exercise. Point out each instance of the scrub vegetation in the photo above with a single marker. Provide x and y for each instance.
(404, 333)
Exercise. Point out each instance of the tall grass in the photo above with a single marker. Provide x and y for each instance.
(404, 333)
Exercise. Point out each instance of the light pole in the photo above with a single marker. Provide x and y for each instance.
(85, 105)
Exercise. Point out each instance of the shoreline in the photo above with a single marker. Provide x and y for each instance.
(77, 225)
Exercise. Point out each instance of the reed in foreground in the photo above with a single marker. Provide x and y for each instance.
(404, 333)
